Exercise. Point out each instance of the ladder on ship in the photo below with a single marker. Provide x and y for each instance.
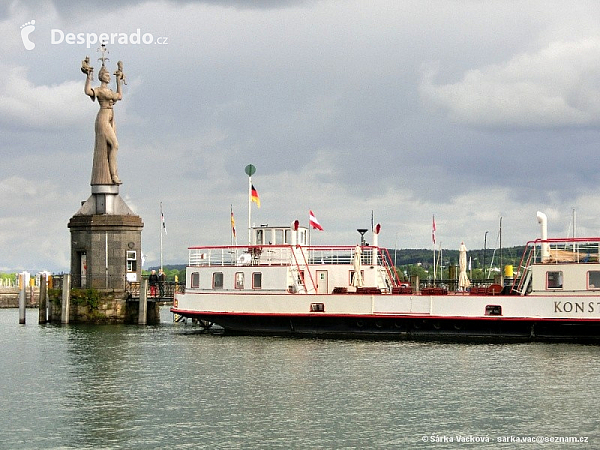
(521, 284)
(387, 275)
(299, 270)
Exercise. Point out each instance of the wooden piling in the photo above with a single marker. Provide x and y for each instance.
(43, 302)
(66, 298)
(143, 306)
(22, 300)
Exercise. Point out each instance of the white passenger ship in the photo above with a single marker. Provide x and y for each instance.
(281, 285)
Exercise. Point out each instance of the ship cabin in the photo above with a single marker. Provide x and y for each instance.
(561, 267)
(281, 260)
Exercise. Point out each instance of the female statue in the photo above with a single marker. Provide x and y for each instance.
(104, 169)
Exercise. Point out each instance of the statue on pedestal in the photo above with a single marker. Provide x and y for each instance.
(106, 235)
(104, 168)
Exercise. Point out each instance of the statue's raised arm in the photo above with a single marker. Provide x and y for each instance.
(89, 71)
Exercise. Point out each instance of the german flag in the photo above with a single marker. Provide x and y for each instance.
(232, 223)
(254, 197)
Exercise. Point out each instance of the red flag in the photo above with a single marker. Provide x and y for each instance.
(312, 220)
(433, 230)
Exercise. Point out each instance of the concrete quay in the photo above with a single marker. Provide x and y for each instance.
(9, 297)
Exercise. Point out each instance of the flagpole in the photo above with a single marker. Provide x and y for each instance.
(250, 170)
(434, 263)
(441, 259)
(433, 242)
(249, 209)
(161, 236)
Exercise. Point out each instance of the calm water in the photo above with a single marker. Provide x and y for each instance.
(170, 386)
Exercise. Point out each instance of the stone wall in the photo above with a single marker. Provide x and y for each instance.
(100, 307)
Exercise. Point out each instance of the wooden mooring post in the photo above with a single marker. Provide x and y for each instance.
(66, 298)
(43, 300)
(143, 306)
(22, 299)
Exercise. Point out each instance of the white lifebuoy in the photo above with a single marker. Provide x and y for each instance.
(244, 259)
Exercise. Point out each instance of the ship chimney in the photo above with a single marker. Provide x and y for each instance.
(294, 233)
(543, 221)
(376, 230)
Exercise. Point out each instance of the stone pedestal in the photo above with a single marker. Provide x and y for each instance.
(106, 242)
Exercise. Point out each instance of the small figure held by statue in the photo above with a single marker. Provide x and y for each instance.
(85, 66)
(104, 168)
(119, 73)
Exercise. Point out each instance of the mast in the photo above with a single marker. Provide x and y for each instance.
(440, 259)
(250, 170)
(574, 230)
(433, 240)
(162, 221)
(501, 262)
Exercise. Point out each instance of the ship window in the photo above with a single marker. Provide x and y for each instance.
(218, 280)
(278, 237)
(195, 280)
(594, 279)
(554, 280)
(239, 280)
(257, 280)
(302, 237)
(259, 237)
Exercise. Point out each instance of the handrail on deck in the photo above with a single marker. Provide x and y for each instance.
(565, 250)
(279, 254)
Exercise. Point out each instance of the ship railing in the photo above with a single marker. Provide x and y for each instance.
(554, 251)
(283, 255)
(239, 255)
(564, 250)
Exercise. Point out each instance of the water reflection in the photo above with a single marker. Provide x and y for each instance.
(170, 386)
(101, 379)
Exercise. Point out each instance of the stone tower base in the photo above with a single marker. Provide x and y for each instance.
(100, 307)
(105, 250)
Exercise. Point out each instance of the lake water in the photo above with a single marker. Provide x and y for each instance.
(171, 386)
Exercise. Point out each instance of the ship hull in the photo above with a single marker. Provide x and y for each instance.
(403, 327)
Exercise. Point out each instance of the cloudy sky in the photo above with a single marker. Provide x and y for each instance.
(469, 110)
